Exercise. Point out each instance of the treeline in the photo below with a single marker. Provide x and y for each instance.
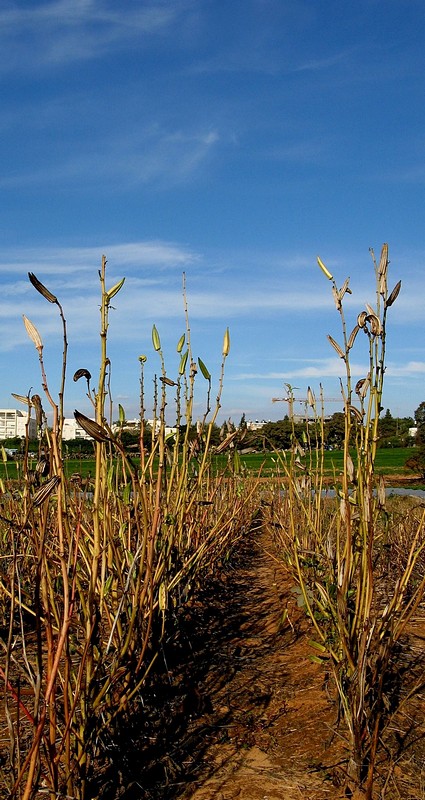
(393, 432)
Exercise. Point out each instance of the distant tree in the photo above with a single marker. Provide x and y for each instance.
(420, 414)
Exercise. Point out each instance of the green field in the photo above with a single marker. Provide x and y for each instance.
(388, 462)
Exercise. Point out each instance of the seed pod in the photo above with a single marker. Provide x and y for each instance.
(336, 347)
(362, 386)
(345, 288)
(142, 359)
(324, 269)
(91, 427)
(121, 414)
(350, 467)
(337, 298)
(181, 342)
(156, 341)
(394, 294)
(21, 399)
(33, 333)
(227, 441)
(311, 400)
(383, 263)
(355, 413)
(370, 310)
(204, 370)
(375, 324)
(36, 403)
(183, 362)
(361, 319)
(82, 373)
(115, 289)
(167, 381)
(352, 338)
(41, 288)
(226, 343)
(45, 491)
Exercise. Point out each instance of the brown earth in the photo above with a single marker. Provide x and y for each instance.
(242, 711)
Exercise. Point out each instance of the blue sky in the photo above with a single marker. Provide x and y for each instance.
(233, 140)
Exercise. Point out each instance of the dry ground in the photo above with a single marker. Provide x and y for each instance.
(243, 710)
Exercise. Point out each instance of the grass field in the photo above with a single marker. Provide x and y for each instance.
(389, 462)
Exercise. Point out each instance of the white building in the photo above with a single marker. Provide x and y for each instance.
(71, 430)
(13, 422)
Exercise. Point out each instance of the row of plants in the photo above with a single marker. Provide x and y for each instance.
(91, 574)
(358, 565)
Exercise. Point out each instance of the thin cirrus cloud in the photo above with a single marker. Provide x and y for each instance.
(160, 156)
(77, 30)
(331, 368)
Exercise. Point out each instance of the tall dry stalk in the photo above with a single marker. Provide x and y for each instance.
(334, 546)
(92, 573)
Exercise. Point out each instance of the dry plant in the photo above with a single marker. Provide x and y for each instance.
(337, 546)
(91, 573)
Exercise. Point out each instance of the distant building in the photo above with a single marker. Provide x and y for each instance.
(71, 430)
(14, 422)
(255, 425)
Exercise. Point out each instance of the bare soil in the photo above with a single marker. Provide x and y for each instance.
(242, 711)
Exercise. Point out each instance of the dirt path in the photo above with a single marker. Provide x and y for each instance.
(241, 711)
(244, 712)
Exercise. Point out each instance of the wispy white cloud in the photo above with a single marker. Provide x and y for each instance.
(54, 33)
(155, 155)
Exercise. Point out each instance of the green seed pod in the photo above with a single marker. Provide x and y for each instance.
(142, 359)
(121, 414)
(205, 372)
(181, 342)
(324, 269)
(156, 341)
(183, 362)
(115, 289)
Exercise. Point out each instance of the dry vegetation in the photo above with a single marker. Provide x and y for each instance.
(92, 576)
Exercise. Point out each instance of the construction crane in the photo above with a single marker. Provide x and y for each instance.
(303, 400)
